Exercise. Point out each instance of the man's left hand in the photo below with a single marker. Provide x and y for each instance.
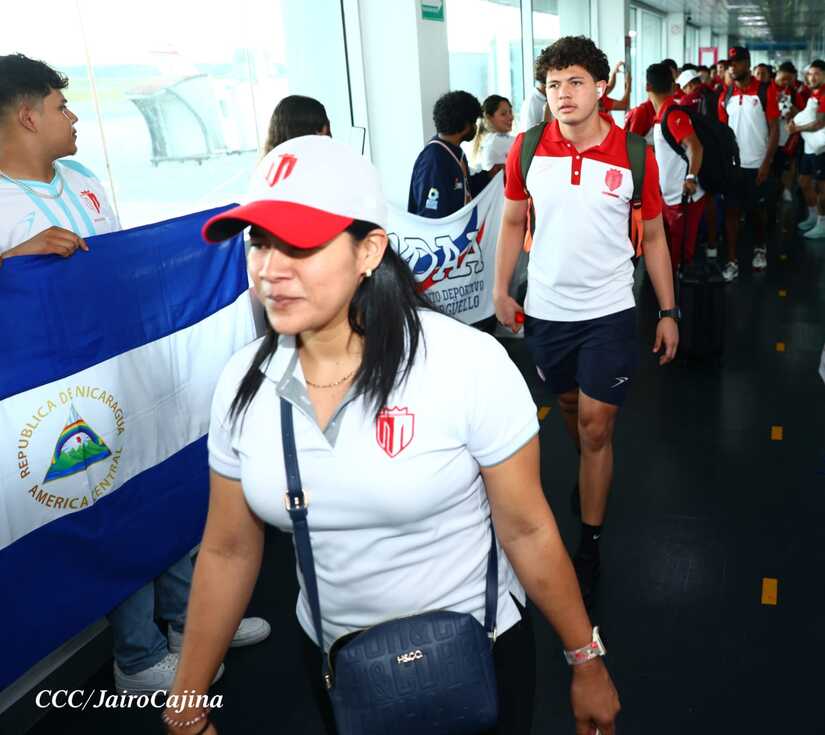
(667, 335)
(762, 173)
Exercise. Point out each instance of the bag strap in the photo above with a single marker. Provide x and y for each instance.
(763, 94)
(529, 144)
(636, 154)
(296, 505)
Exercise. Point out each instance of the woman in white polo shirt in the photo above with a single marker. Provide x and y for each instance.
(493, 140)
(412, 430)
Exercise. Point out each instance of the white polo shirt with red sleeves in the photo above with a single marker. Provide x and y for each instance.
(747, 118)
(580, 264)
(398, 513)
(819, 95)
(672, 167)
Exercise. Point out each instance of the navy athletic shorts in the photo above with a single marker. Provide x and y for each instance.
(813, 165)
(600, 355)
(746, 193)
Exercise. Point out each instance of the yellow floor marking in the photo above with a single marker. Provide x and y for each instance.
(776, 433)
(783, 257)
(783, 292)
(780, 346)
(770, 591)
(543, 411)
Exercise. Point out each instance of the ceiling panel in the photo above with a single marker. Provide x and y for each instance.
(782, 21)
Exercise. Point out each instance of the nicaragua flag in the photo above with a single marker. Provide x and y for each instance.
(107, 369)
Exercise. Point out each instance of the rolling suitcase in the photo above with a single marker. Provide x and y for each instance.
(701, 298)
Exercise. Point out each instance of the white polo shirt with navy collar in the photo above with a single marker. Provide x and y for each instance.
(398, 512)
(74, 200)
(580, 264)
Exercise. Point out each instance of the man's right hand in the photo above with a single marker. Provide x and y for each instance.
(55, 241)
(506, 309)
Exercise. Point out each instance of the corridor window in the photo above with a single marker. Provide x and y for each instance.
(185, 95)
(484, 43)
(546, 24)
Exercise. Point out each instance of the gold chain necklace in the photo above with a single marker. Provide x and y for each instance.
(331, 385)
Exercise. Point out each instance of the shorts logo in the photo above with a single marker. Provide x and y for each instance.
(91, 201)
(394, 430)
(613, 179)
(619, 381)
(283, 169)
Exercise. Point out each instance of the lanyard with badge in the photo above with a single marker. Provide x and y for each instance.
(462, 165)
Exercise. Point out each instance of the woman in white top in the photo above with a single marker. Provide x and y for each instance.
(414, 432)
(493, 140)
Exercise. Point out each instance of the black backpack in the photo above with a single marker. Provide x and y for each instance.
(720, 157)
(708, 103)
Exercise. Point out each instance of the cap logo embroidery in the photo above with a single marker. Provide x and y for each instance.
(613, 179)
(282, 171)
(394, 430)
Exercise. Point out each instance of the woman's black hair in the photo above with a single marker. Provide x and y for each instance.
(294, 116)
(384, 311)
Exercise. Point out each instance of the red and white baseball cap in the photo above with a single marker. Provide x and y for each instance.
(305, 192)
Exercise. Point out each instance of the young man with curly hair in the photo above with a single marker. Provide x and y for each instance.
(580, 315)
(441, 182)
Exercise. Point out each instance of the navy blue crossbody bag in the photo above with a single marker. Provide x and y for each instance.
(427, 673)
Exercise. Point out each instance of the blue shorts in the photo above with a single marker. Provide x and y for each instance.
(813, 165)
(600, 356)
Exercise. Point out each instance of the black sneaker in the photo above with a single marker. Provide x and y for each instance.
(587, 572)
(576, 501)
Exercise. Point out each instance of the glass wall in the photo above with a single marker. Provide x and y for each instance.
(484, 43)
(691, 45)
(646, 48)
(546, 24)
(184, 92)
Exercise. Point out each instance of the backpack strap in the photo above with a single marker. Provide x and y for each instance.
(636, 154)
(529, 144)
(763, 94)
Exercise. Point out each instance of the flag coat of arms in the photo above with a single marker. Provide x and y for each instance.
(107, 369)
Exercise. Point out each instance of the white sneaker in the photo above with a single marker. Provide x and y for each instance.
(760, 259)
(711, 253)
(159, 677)
(807, 224)
(730, 271)
(816, 233)
(249, 632)
(786, 196)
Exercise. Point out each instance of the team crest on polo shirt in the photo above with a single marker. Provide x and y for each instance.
(613, 179)
(394, 430)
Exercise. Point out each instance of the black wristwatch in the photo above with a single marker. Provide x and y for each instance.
(672, 313)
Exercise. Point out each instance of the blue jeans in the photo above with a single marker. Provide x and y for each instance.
(139, 644)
